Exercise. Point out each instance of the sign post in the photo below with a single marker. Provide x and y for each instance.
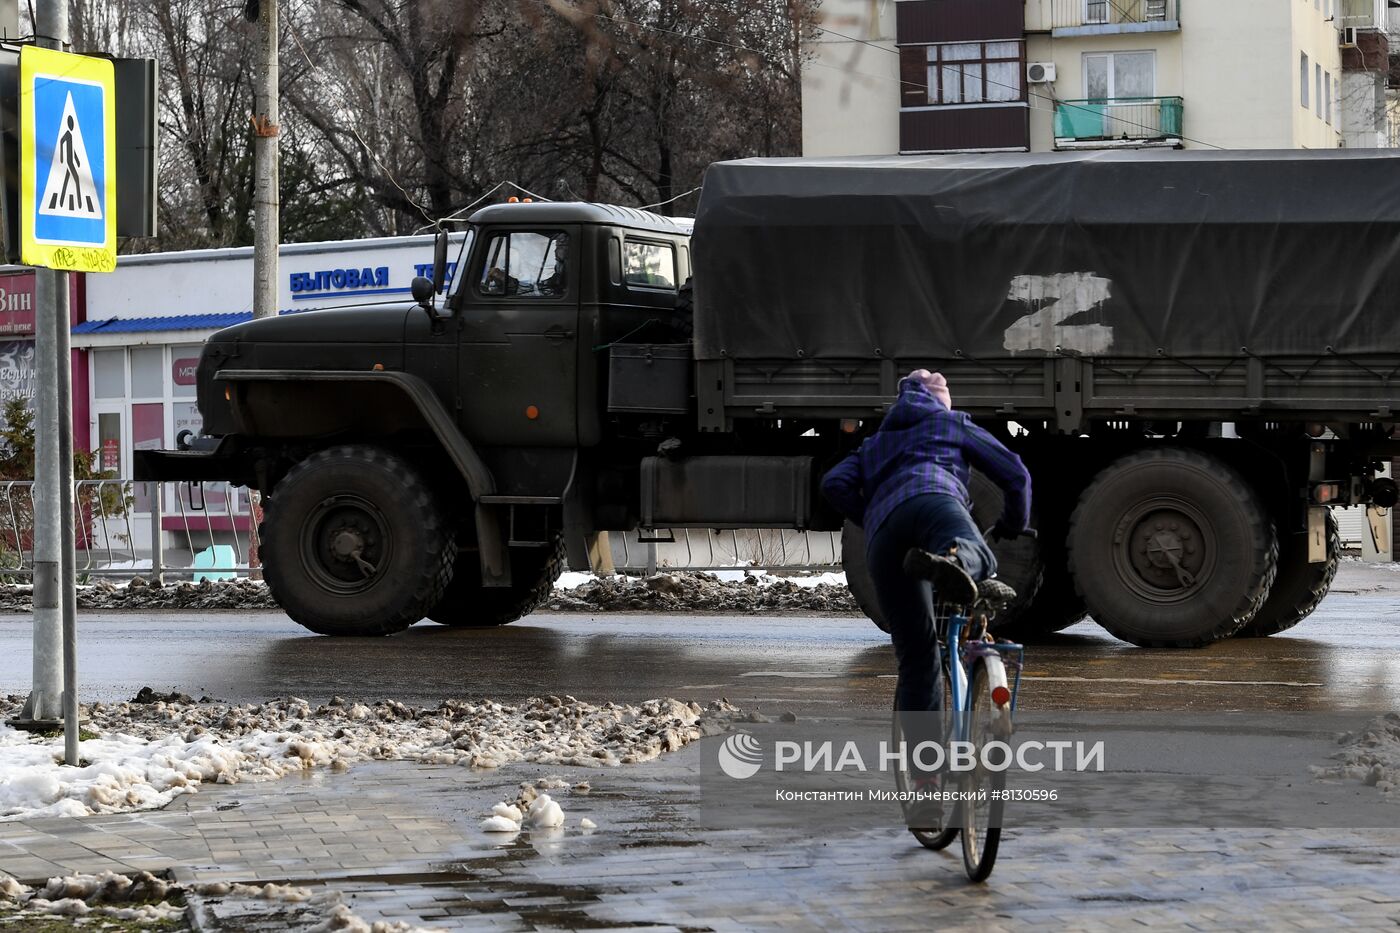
(67, 221)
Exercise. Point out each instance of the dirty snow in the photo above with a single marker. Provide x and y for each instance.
(1370, 755)
(747, 591)
(145, 898)
(150, 753)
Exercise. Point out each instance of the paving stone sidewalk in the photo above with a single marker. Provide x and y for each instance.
(401, 842)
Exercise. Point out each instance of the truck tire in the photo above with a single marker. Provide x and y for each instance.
(1018, 562)
(353, 543)
(1054, 607)
(1152, 512)
(468, 604)
(1299, 586)
(858, 574)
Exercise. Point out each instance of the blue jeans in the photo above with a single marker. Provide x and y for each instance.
(935, 523)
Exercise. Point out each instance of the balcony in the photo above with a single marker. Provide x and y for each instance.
(1064, 18)
(1362, 14)
(1118, 123)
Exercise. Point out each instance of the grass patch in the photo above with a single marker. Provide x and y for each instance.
(83, 734)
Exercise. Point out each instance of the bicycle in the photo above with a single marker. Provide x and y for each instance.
(978, 704)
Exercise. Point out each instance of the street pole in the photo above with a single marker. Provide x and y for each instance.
(43, 709)
(266, 234)
(55, 596)
(265, 195)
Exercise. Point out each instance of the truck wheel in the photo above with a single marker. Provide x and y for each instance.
(353, 543)
(1170, 548)
(1019, 563)
(858, 574)
(1054, 607)
(468, 604)
(1299, 586)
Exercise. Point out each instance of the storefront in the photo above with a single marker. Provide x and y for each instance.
(17, 346)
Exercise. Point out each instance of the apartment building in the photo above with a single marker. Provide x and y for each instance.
(919, 76)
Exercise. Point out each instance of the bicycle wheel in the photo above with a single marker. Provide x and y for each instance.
(904, 781)
(982, 805)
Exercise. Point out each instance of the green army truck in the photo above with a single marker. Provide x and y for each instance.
(1196, 353)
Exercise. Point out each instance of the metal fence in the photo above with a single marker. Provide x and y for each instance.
(179, 530)
(186, 531)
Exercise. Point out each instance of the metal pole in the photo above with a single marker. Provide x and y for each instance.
(43, 710)
(53, 420)
(51, 299)
(266, 232)
(68, 558)
(157, 536)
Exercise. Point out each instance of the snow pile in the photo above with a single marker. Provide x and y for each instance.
(737, 591)
(153, 752)
(534, 808)
(246, 595)
(1371, 756)
(144, 898)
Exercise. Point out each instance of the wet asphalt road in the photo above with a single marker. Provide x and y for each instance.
(1347, 655)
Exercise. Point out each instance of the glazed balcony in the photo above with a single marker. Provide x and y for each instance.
(1101, 17)
(1118, 123)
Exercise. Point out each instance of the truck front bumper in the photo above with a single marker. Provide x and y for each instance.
(214, 460)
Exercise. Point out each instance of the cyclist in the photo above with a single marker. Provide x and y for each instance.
(907, 487)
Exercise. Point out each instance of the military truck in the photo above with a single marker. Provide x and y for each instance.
(1196, 353)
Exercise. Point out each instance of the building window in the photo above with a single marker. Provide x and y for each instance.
(1327, 102)
(975, 73)
(1303, 80)
(1119, 75)
(1095, 12)
(1317, 86)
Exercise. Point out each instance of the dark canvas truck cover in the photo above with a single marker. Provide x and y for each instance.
(1102, 255)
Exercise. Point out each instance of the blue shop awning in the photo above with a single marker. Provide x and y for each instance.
(138, 325)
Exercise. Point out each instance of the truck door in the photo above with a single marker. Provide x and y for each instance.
(518, 345)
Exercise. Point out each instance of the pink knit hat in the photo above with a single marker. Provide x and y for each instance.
(936, 385)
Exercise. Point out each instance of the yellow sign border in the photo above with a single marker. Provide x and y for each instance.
(35, 64)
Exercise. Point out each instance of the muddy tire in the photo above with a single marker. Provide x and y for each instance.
(353, 543)
(1299, 586)
(468, 604)
(1170, 548)
(858, 574)
(1056, 605)
(1019, 562)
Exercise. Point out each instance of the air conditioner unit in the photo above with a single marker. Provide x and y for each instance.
(1040, 72)
(1348, 36)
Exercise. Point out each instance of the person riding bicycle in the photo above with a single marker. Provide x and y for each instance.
(907, 486)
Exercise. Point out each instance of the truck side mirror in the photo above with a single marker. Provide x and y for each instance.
(439, 261)
(423, 291)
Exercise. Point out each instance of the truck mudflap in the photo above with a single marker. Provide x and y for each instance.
(216, 459)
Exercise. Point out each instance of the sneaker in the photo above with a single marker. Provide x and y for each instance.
(995, 595)
(951, 582)
(925, 815)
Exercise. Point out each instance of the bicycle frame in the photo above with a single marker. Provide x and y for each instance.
(958, 659)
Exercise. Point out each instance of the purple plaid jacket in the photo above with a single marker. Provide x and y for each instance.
(921, 448)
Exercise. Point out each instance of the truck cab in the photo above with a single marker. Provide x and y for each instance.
(425, 460)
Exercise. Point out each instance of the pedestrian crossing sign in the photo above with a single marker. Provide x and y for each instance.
(68, 201)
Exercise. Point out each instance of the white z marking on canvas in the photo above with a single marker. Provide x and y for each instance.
(1053, 299)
